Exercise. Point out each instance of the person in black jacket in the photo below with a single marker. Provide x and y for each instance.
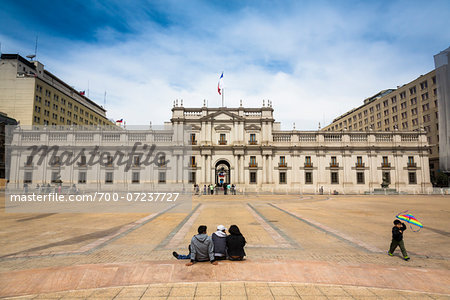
(397, 239)
(235, 244)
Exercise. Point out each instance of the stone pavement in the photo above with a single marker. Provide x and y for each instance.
(236, 291)
(339, 240)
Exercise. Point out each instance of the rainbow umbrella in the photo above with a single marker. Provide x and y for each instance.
(410, 219)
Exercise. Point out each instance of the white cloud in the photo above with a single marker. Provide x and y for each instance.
(313, 62)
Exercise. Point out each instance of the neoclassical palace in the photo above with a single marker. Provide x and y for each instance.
(241, 146)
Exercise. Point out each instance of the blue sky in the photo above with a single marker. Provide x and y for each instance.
(314, 59)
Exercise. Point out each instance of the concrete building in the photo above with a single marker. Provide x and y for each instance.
(441, 61)
(242, 146)
(4, 122)
(34, 96)
(407, 108)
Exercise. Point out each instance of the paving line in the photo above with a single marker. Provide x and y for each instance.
(172, 241)
(339, 235)
(282, 239)
(97, 244)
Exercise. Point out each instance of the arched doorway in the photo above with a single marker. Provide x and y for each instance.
(223, 175)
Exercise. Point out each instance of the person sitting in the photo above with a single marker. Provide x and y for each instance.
(235, 244)
(182, 256)
(219, 239)
(202, 247)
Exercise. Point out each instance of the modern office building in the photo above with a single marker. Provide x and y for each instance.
(34, 96)
(442, 61)
(410, 107)
(241, 146)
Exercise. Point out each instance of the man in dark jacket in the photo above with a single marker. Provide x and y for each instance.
(202, 247)
(397, 239)
(219, 239)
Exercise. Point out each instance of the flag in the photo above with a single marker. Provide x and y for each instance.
(220, 84)
(82, 93)
(119, 121)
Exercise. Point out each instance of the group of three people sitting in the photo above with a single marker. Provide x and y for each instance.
(218, 246)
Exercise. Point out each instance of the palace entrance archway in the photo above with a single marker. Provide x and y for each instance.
(222, 173)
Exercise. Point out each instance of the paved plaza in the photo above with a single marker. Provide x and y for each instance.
(299, 247)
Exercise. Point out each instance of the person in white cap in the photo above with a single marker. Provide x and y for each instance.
(220, 243)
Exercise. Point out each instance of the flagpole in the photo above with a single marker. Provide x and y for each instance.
(222, 96)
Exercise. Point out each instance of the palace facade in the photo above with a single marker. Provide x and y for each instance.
(241, 146)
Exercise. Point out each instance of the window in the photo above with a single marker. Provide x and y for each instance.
(308, 161)
(192, 177)
(378, 106)
(394, 109)
(282, 161)
(395, 118)
(252, 138)
(82, 161)
(135, 177)
(109, 177)
(308, 178)
(282, 177)
(162, 177)
(403, 105)
(379, 124)
(405, 125)
(192, 162)
(404, 115)
(394, 100)
(252, 161)
(372, 119)
(360, 177)
(434, 79)
(414, 101)
(28, 177)
(423, 85)
(412, 177)
(385, 103)
(359, 160)
(385, 161)
(426, 107)
(410, 160)
(56, 178)
(378, 115)
(415, 122)
(162, 160)
(426, 118)
(192, 139)
(412, 90)
(386, 122)
(136, 161)
(29, 161)
(222, 140)
(414, 111)
(334, 178)
(333, 161)
(402, 95)
(82, 177)
(387, 177)
(252, 177)
(371, 110)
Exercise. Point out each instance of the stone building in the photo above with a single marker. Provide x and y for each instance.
(409, 107)
(34, 96)
(241, 146)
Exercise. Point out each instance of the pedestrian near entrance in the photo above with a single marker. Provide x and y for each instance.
(397, 239)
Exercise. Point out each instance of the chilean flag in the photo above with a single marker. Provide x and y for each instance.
(119, 121)
(220, 84)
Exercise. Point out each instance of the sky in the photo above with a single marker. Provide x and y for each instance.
(314, 60)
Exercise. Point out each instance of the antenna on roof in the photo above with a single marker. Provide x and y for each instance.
(31, 56)
(35, 46)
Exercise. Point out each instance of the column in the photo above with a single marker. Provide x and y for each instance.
(264, 169)
(270, 169)
(236, 169)
(241, 169)
(203, 166)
